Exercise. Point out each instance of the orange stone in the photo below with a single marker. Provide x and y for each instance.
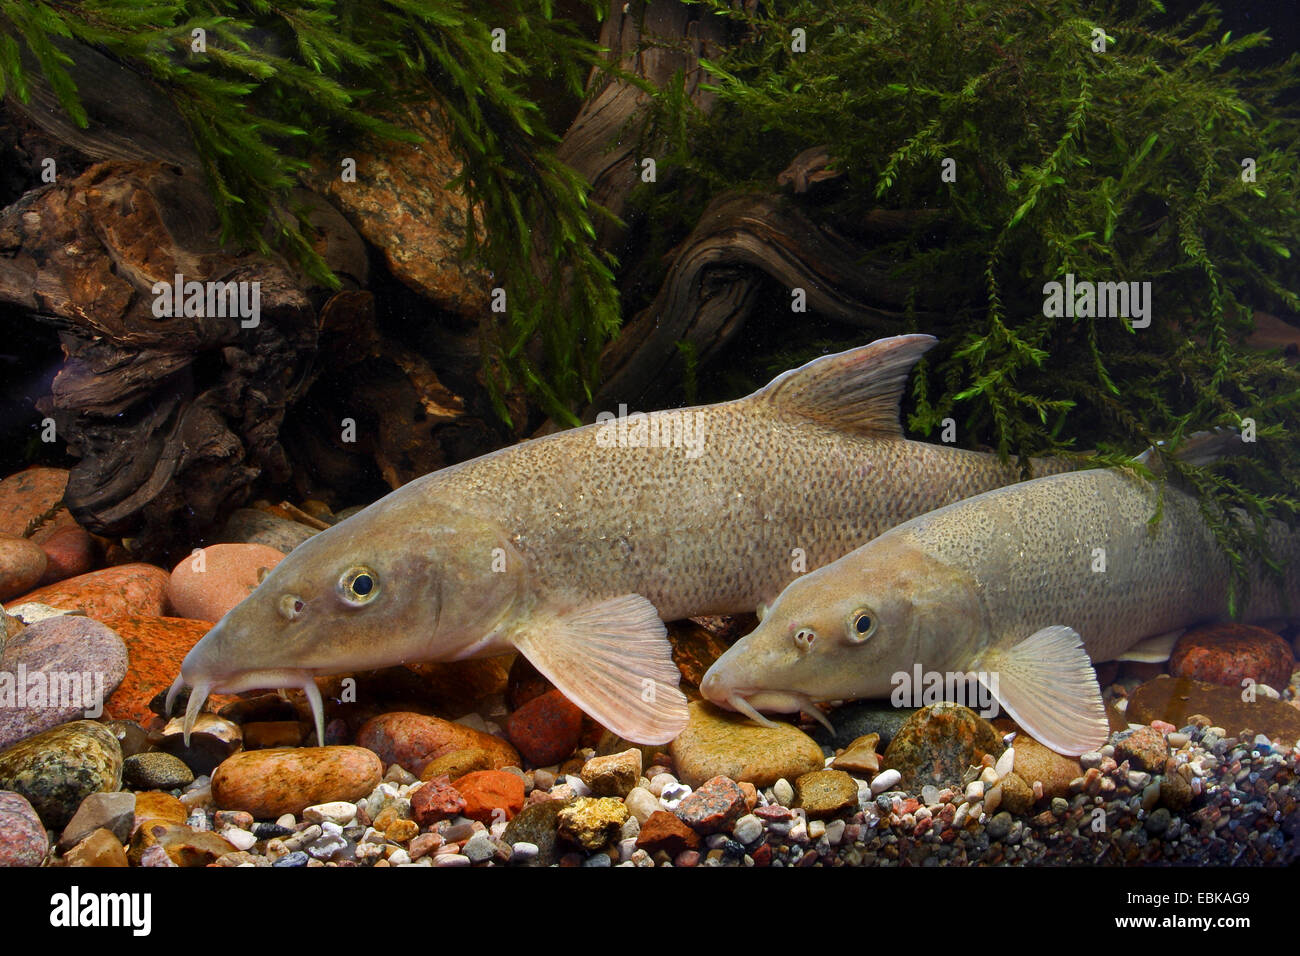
(27, 496)
(491, 794)
(159, 807)
(156, 646)
(70, 551)
(269, 783)
(112, 592)
(411, 740)
(208, 584)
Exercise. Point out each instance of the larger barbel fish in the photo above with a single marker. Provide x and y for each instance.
(573, 548)
(1024, 586)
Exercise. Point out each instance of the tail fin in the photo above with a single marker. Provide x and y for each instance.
(1199, 448)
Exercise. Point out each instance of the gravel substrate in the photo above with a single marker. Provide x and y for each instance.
(1238, 803)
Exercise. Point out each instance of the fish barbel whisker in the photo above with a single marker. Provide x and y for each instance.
(198, 697)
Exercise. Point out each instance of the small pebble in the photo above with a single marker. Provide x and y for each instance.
(883, 781)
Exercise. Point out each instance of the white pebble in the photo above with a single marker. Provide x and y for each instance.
(659, 781)
(239, 839)
(450, 859)
(673, 795)
(523, 851)
(783, 791)
(575, 783)
(338, 811)
(1178, 740)
(975, 791)
(816, 829)
(835, 832)
(1006, 762)
(993, 799)
(959, 818)
(747, 829)
(883, 781)
(399, 857)
(287, 821)
(989, 776)
(641, 804)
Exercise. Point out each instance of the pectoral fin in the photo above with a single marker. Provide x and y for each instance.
(614, 661)
(1153, 650)
(1046, 683)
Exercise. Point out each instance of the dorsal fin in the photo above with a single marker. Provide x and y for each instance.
(855, 391)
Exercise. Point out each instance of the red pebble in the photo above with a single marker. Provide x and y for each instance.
(546, 729)
(1226, 653)
(436, 800)
(491, 795)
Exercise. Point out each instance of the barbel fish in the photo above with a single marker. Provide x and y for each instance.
(1023, 587)
(573, 548)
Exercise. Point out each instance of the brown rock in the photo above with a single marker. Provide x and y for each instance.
(411, 740)
(718, 742)
(101, 848)
(938, 743)
(1176, 700)
(157, 806)
(269, 783)
(1017, 795)
(614, 775)
(262, 734)
(666, 831)
(546, 729)
(184, 845)
(70, 550)
(1175, 790)
(826, 793)
(491, 795)
(1037, 762)
(695, 648)
(121, 591)
(400, 203)
(22, 564)
(1144, 749)
(457, 764)
(207, 584)
(1228, 653)
(29, 496)
(860, 757)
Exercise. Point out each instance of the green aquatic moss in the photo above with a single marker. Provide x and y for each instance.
(1122, 165)
(281, 82)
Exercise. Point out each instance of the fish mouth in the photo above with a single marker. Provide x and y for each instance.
(280, 679)
(749, 702)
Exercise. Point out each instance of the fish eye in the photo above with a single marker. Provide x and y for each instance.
(804, 637)
(358, 585)
(862, 624)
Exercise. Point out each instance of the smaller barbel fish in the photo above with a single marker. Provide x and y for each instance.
(1023, 587)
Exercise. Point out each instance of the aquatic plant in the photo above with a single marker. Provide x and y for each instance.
(1097, 140)
(275, 84)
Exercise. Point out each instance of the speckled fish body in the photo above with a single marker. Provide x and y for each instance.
(572, 548)
(1030, 583)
